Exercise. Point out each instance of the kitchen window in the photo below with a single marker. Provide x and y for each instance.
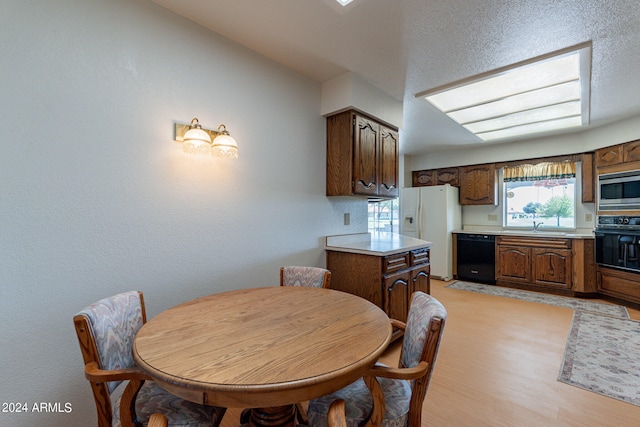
(384, 216)
(543, 194)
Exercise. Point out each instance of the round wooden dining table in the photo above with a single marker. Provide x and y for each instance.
(262, 348)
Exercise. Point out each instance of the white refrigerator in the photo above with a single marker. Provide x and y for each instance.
(432, 213)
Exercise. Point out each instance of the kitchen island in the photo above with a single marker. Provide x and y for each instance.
(384, 268)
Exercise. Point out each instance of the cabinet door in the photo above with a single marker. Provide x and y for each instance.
(588, 178)
(478, 185)
(396, 295)
(609, 156)
(388, 186)
(552, 267)
(423, 178)
(631, 151)
(448, 176)
(365, 157)
(420, 280)
(514, 263)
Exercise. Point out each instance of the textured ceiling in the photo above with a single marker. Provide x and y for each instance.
(404, 47)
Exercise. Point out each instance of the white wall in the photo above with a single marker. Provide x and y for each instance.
(96, 199)
(615, 133)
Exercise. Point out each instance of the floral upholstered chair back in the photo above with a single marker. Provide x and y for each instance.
(113, 323)
(425, 324)
(311, 277)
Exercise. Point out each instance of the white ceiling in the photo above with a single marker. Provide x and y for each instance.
(404, 47)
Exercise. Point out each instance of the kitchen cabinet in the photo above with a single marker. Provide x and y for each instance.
(362, 156)
(436, 177)
(588, 178)
(387, 281)
(551, 267)
(478, 185)
(628, 152)
(620, 284)
(609, 156)
(560, 264)
(513, 263)
(423, 178)
(448, 176)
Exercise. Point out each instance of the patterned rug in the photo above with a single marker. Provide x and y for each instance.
(602, 355)
(574, 303)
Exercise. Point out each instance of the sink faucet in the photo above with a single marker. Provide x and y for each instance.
(536, 226)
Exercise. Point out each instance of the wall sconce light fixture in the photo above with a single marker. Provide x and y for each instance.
(197, 140)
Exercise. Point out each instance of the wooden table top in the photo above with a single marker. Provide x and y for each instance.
(262, 346)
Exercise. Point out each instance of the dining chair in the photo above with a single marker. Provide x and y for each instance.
(124, 395)
(393, 396)
(312, 277)
(158, 420)
(336, 415)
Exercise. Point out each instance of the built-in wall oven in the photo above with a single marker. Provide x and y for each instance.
(618, 242)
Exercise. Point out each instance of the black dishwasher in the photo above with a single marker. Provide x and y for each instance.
(476, 258)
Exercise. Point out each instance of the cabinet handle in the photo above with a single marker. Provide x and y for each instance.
(388, 187)
(422, 273)
(402, 282)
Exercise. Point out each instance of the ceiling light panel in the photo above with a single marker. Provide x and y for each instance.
(537, 96)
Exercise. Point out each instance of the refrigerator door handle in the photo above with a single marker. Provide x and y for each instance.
(419, 222)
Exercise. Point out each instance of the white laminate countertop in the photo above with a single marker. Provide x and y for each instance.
(577, 234)
(379, 244)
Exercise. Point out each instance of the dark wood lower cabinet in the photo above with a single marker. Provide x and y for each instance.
(552, 267)
(558, 264)
(387, 281)
(619, 284)
(513, 263)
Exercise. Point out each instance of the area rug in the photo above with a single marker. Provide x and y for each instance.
(603, 355)
(574, 303)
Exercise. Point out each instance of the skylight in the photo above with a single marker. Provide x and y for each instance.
(540, 95)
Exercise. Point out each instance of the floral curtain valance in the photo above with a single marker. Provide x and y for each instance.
(540, 172)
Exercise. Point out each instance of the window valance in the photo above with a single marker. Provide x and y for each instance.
(540, 172)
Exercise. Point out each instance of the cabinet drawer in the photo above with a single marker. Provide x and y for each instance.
(540, 242)
(420, 256)
(395, 262)
(619, 284)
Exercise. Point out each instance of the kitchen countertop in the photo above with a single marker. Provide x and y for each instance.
(378, 244)
(574, 234)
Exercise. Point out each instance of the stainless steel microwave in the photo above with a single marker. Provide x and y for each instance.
(619, 191)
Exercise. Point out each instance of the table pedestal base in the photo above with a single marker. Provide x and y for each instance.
(279, 416)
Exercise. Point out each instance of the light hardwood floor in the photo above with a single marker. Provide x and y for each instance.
(498, 366)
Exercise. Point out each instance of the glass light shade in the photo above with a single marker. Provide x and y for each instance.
(518, 80)
(224, 146)
(561, 93)
(196, 141)
(552, 93)
(530, 128)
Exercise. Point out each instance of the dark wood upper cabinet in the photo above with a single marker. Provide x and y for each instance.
(423, 178)
(362, 156)
(609, 156)
(448, 176)
(478, 185)
(631, 151)
(365, 156)
(388, 166)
